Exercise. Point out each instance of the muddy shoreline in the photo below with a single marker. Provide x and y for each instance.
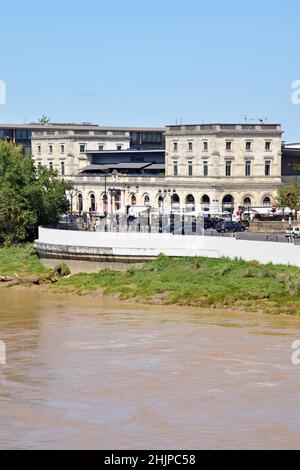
(142, 303)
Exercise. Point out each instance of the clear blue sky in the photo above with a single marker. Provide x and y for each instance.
(149, 62)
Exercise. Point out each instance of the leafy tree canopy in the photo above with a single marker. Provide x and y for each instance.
(29, 197)
(289, 196)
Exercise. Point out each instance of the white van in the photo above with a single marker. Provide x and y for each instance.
(293, 232)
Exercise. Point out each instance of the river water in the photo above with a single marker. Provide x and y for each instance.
(84, 373)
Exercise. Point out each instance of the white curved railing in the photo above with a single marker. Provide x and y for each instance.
(145, 245)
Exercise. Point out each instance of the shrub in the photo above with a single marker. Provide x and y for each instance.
(265, 273)
(290, 281)
(222, 270)
(255, 264)
(250, 272)
(62, 269)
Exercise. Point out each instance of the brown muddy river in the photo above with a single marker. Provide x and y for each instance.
(83, 373)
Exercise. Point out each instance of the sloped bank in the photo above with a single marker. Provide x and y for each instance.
(202, 282)
(194, 281)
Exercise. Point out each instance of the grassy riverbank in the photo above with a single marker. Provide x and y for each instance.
(187, 281)
(199, 282)
(21, 260)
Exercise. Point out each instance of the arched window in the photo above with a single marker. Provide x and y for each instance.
(133, 199)
(267, 201)
(146, 200)
(117, 200)
(247, 201)
(175, 202)
(80, 203)
(190, 203)
(93, 202)
(228, 203)
(160, 201)
(205, 200)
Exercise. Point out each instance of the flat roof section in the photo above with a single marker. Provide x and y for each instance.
(45, 127)
(129, 151)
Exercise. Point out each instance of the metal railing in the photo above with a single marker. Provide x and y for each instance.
(176, 224)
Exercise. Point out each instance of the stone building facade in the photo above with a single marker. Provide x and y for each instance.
(215, 166)
(224, 165)
(65, 148)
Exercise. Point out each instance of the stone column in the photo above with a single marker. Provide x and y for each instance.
(215, 203)
(109, 201)
(122, 197)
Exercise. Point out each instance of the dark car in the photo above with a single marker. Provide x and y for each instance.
(230, 226)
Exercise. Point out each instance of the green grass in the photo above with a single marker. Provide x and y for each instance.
(200, 282)
(21, 260)
(205, 282)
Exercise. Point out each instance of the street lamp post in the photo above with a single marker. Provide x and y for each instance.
(72, 193)
(162, 194)
(105, 198)
(112, 190)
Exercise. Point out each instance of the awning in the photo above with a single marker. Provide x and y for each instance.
(94, 167)
(127, 165)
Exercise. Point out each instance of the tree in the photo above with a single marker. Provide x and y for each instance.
(289, 196)
(29, 197)
(44, 120)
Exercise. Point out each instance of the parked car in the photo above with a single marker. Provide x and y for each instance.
(293, 232)
(229, 226)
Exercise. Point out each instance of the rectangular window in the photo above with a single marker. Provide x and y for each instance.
(205, 146)
(50, 148)
(248, 146)
(175, 146)
(228, 145)
(268, 145)
(175, 168)
(248, 168)
(190, 146)
(62, 148)
(62, 168)
(39, 149)
(228, 168)
(100, 147)
(190, 168)
(119, 148)
(205, 168)
(267, 168)
(82, 148)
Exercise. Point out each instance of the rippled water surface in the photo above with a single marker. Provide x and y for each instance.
(82, 373)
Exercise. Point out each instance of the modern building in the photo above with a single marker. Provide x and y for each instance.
(290, 167)
(19, 134)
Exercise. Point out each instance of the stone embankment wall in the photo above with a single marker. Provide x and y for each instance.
(271, 227)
